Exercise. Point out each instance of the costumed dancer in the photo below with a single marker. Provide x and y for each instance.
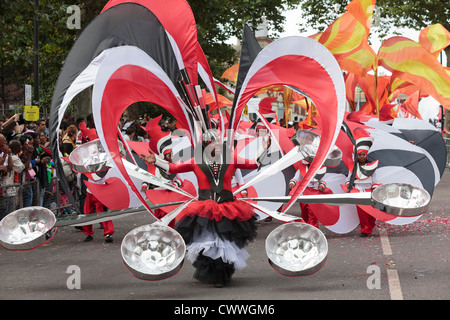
(265, 110)
(216, 227)
(363, 178)
(161, 145)
(90, 201)
(316, 186)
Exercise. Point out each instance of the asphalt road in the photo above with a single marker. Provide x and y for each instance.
(402, 262)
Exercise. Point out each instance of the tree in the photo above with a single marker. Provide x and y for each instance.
(16, 51)
(219, 20)
(216, 20)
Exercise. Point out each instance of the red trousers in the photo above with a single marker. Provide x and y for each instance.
(308, 215)
(366, 221)
(90, 204)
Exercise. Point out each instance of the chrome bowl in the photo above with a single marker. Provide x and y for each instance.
(401, 199)
(153, 252)
(27, 228)
(296, 249)
(309, 144)
(91, 159)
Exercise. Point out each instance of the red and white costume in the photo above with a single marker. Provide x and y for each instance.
(91, 203)
(216, 227)
(311, 211)
(364, 178)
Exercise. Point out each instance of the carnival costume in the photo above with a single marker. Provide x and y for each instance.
(316, 186)
(216, 227)
(364, 178)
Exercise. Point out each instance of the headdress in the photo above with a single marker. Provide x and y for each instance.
(363, 140)
(160, 141)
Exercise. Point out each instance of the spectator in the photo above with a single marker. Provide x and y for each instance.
(8, 126)
(69, 140)
(29, 174)
(43, 138)
(5, 166)
(10, 178)
(31, 126)
(130, 133)
(41, 125)
(80, 137)
(45, 171)
(67, 118)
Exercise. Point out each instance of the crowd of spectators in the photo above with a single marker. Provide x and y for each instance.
(27, 169)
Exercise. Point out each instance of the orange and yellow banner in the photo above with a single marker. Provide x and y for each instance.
(231, 73)
(413, 63)
(434, 38)
(412, 105)
(346, 37)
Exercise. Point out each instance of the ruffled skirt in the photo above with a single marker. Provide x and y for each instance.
(215, 236)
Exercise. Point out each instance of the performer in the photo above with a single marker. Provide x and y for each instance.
(91, 203)
(316, 186)
(216, 227)
(364, 177)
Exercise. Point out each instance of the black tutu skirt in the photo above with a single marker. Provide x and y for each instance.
(215, 236)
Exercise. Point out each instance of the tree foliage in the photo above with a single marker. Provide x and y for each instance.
(216, 20)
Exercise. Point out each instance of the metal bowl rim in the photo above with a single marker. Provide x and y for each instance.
(153, 276)
(308, 271)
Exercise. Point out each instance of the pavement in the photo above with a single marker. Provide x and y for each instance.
(408, 262)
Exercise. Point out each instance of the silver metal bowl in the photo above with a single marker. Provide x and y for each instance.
(153, 252)
(309, 143)
(296, 249)
(27, 228)
(91, 159)
(401, 199)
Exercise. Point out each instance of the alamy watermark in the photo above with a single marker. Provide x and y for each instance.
(74, 20)
(74, 280)
(374, 280)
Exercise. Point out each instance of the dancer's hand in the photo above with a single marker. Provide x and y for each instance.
(149, 158)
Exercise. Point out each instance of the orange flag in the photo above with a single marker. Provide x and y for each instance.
(231, 73)
(346, 37)
(367, 85)
(223, 101)
(350, 87)
(412, 105)
(413, 63)
(398, 86)
(434, 38)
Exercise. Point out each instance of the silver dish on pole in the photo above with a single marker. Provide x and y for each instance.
(401, 199)
(92, 160)
(153, 252)
(296, 249)
(27, 228)
(309, 144)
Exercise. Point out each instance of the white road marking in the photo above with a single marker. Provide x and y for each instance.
(395, 289)
(387, 251)
(394, 285)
